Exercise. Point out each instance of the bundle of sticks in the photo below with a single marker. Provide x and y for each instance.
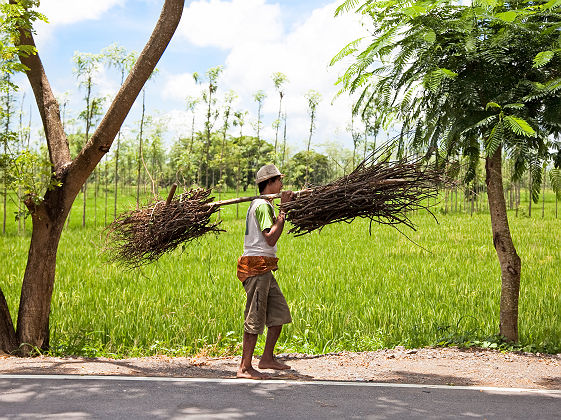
(142, 236)
(384, 192)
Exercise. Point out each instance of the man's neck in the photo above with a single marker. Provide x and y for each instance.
(267, 191)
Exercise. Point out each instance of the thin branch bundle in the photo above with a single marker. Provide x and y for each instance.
(383, 192)
(141, 236)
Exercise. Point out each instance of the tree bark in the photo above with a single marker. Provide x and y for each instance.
(38, 282)
(530, 192)
(502, 240)
(8, 341)
(49, 216)
(544, 178)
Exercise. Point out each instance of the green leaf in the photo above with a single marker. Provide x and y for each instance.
(509, 16)
(430, 36)
(519, 126)
(484, 123)
(470, 44)
(434, 79)
(552, 4)
(346, 6)
(555, 178)
(494, 140)
(492, 105)
(487, 4)
(542, 58)
(414, 11)
(536, 172)
(348, 49)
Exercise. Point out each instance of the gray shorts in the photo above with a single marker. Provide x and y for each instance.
(266, 305)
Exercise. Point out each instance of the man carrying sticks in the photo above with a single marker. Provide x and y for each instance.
(266, 305)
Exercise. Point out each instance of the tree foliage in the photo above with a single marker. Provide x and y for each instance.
(454, 75)
(15, 17)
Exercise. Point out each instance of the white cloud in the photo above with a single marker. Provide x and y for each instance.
(71, 11)
(225, 24)
(67, 12)
(179, 86)
(258, 46)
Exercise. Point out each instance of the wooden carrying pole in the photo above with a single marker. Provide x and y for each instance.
(255, 197)
(278, 195)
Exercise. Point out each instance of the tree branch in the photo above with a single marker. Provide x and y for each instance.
(59, 152)
(101, 141)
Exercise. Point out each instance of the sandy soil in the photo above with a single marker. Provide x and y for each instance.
(440, 366)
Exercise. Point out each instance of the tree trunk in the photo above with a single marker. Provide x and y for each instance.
(140, 157)
(454, 197)
(516, 197)
(38, 281)
(48, 217)
(106, 182)
(8, 341)
(96, 188)
(284, 142)
(116, 176)
(502, 240)
(530, 192)
(85, 193)
(208, 136)
(308, 148)
(5, 193)
(543, 192)
(190, 179)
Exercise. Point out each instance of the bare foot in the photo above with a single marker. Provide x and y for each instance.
(251, 373)
(272, 364)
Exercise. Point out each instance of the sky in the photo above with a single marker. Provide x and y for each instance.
(251, 39)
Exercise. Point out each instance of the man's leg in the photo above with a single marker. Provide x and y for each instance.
(257, 288)
(268, 360)
(246, 369)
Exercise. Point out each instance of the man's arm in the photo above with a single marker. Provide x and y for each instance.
(273, 234)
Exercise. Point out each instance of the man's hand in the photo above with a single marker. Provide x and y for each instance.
(272, 235)
(287, 196)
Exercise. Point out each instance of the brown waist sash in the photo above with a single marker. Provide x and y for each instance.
(252, 266)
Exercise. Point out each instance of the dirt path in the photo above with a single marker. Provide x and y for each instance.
(439, 366)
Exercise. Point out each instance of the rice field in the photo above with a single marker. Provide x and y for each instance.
(350, 287)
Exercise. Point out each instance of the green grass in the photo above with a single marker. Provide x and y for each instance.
(347, 290)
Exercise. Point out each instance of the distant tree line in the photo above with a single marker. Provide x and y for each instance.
(223, 154)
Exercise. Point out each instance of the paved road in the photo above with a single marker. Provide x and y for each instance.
(79, 397)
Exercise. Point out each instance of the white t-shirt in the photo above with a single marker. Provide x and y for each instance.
(260, 216)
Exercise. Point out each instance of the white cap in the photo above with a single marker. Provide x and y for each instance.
(266, 172)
